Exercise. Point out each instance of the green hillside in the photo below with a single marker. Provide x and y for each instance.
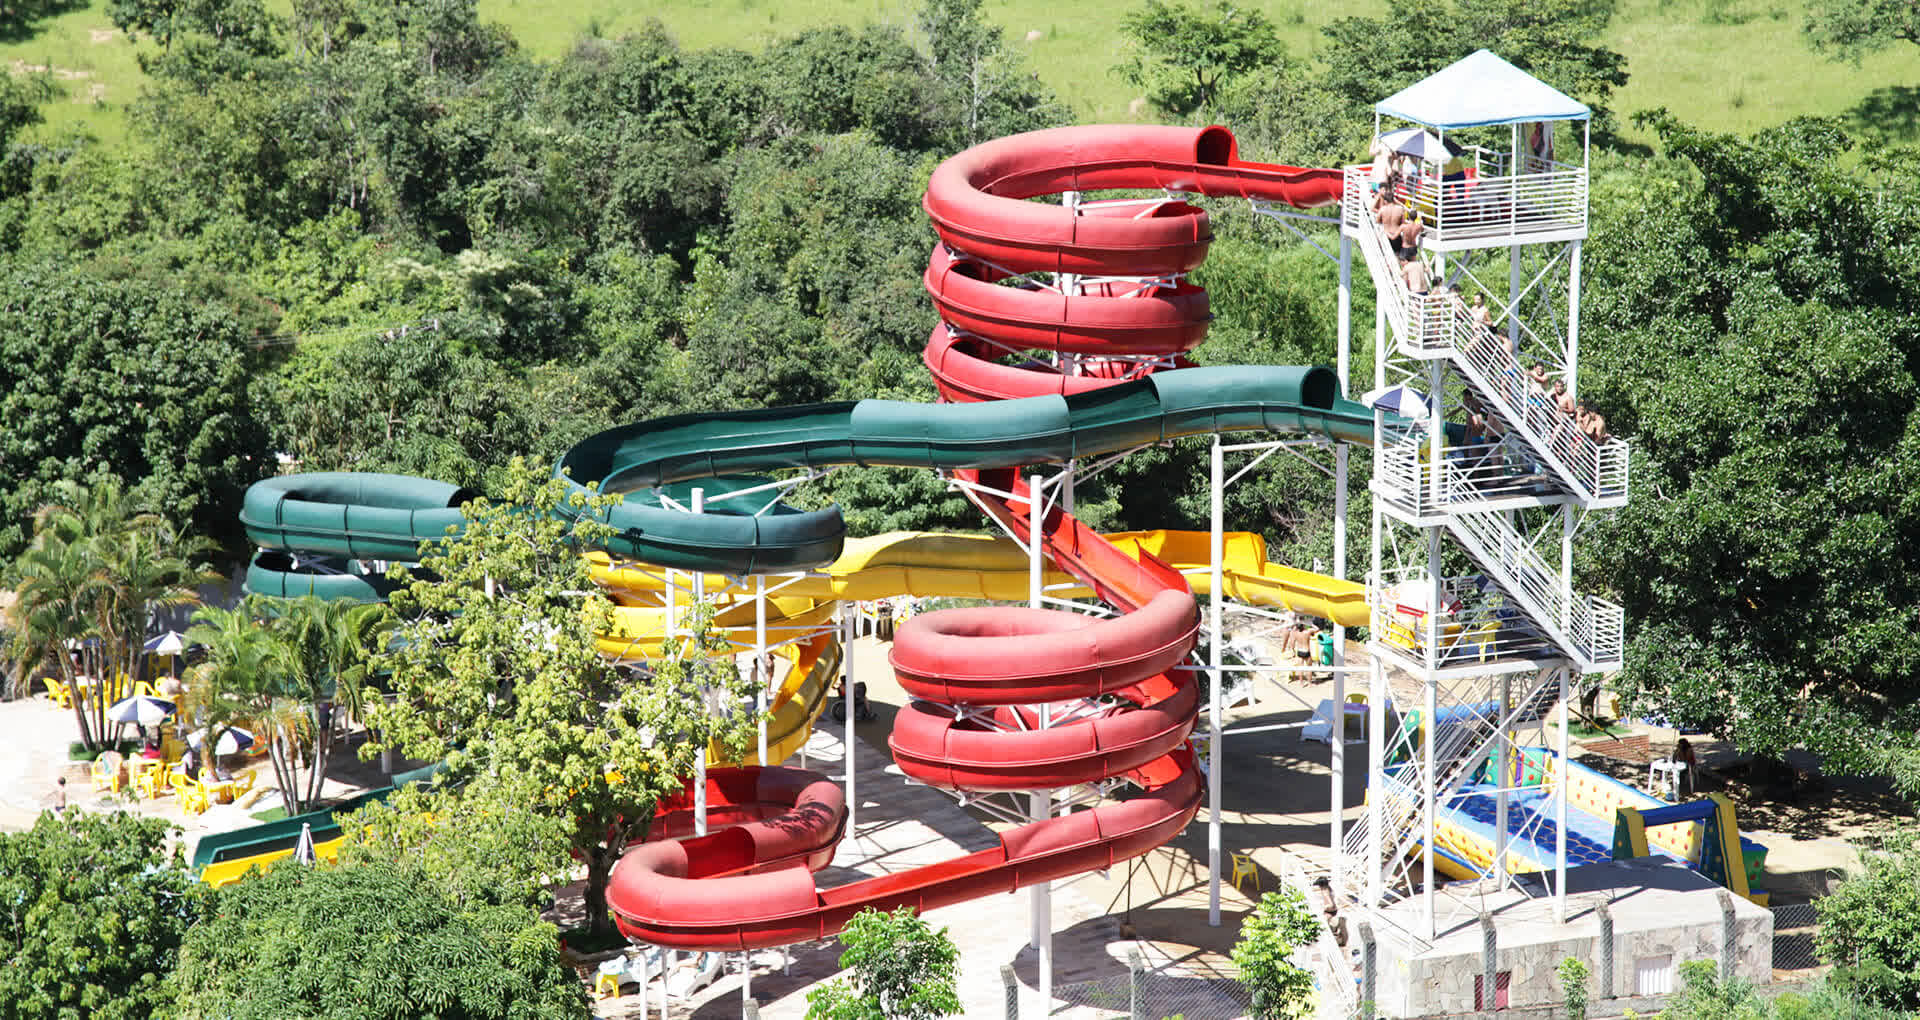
(1729, 65)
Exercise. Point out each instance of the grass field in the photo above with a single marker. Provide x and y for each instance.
(1729, 65)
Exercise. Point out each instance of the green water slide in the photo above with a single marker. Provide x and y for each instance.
(656, 465)
(1000, 434)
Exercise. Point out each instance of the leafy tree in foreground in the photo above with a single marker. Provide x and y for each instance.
(1870, 925)
(1183, 56)
(375, 941)
(902, 970)
(1281, 989)
(478, 853)
(1851, 29)
(495, 673)
(95, 909)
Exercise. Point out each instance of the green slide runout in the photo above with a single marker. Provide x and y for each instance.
(272, 572)
(999, 434)
(359, 515)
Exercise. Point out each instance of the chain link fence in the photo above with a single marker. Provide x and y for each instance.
(1152, 996)
(1794, 927)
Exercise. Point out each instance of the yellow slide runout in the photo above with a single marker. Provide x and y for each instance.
(929, 565)
(226, 873)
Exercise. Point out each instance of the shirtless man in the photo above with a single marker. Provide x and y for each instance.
(1414, 272)
(1562, 399)
(1390, 214)
(1592, 424)
(1409, 236)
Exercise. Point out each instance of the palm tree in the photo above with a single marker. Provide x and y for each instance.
(328, 645)
(56, 581)
(275, 663)
(242, 679)
(98, 567)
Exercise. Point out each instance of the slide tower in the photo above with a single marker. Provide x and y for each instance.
(1474, 528)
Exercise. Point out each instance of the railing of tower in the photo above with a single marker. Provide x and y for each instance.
(1485, 472)
(1476, 624)
(1545, 199)
(1593, 625)
(1436, 323)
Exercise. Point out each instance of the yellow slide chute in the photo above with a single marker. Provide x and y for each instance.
(927, 565)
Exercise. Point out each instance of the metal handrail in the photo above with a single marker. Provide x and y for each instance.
(1436, 323)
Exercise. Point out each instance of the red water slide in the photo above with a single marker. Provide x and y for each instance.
(981, 675)
(989, 232)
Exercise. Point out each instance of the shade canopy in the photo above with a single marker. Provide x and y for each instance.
(1478, 90)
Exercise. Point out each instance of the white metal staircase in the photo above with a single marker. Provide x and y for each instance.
(1460, 746)
(1433, 325)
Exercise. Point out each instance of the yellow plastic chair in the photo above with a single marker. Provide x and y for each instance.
(57, 690)
(242, 783)
(149, 777)
(1244, 868)
(106, 772)
(607, 986)
(1357, 699)
(193, 796)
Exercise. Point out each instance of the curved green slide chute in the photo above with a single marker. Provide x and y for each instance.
(376, 516)
(998, 434)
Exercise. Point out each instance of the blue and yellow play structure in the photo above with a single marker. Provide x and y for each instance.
(1606, 820)
(1722, 852)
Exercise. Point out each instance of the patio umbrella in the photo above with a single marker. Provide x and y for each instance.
(1401, 400)
(141, 710)
(303, 850)
(170, 643)
(1418, 143)
(232, 740)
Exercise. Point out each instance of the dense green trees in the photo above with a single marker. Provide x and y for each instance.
(96, 909)
(1184, 56)
(1747, 327)
(140, 378)
(372, 939)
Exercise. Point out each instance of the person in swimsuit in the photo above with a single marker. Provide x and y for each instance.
(1410, 235)
(1390, 215)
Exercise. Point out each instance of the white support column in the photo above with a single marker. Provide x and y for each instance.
(1040, 802)
(1573, 322)
(1344, 355)
(1429, 779)
(1503, 781)
(846, 678)
(762, 670)
(1344, 367)
(1036, 516)
(1376, 735)
(746, 980)
(1560, 808)
(1568, 525)
(699, 759)
(1513, 302)
(1338, 662)
(1215, 766)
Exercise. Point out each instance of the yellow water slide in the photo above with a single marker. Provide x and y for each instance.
(926, 565)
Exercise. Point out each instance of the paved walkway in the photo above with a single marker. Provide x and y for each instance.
(1277, 795)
